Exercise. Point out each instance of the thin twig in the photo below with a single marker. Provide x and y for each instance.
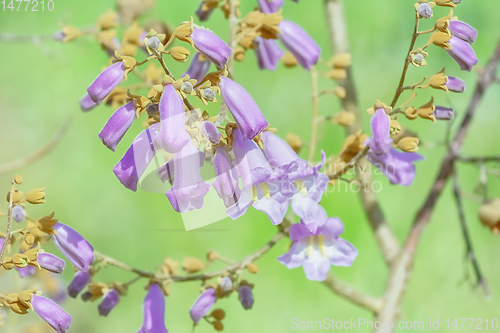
(6, 240)
(351, 163)
(315, 106)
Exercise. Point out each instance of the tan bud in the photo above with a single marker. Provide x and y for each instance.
(179, 53)
(411, 112)
(212, 255)
(18, 179)
(218, 314)
(489, 213)
(36, 196)
(170, 266)
(342, 60)
(289, 60)
(294, 141)
(29, 239)
(239, 53)
(340, 92)
(192, 265)
(16, 197)
(218, 325)
(395, 127)
(337, 74)
(252, 268)
(345, 118)
(409, 144)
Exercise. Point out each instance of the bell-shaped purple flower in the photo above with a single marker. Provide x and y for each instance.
(108, 80)
(299, 43)
(463, 31)
(210, 131)
(245, 111)
(137, 158)
(86, 103)
(79, 282)
(18, 213)
(270, 7)
(397, 166)
(202, 305)
(154, 311)
(245, 296)
(211, 46)
(51, 263)
(442, 113)
(116, 127)
(73, 246)
(204, 13)
(316, 246)
(198, 68)
(268, 52)
(189, 189)
(226, 181)
(463, 53)
(26, 271)
(109, 301)
(455, 84)
(381, 126)
(52, 313)
(173, 135)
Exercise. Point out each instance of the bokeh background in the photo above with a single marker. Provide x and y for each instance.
(40, 86)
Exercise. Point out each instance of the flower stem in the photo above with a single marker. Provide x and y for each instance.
(9, 221)
(314, 123)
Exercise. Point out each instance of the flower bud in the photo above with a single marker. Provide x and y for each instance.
(117, 126)
(52, 313)
(210, 131)
(154, 311)
(218, 326)
(79, 282)
(86, 103)
(245, 296)
(192, 265)
(73, 246)
(51, 263)
(187, 87)
(202, 305)
(211, 46)
(442, 113)
(252, 268)
(409, 144)
(208, 94)
(425, 11)
(489, 213)
(455, 84)
(299, 43)
(18, 213)
(153, 42)
(179, 53)
(226, 283)
(108, 80)
(198, 68)
(463, 31)
(109, 301)
(218, 314)
(463, 53)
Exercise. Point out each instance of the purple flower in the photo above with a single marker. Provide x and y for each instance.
(270, 7)
(18, 213)
(52, 313)
(108, 80)
(202, 14)
(202, 305)
(189, 189)
(198, 68)
(309, 183)
(51, 263)
(226, 181)
(463, 31)
(137, 158)
(245, 111)
(316, 246)
(455, 84)
(463, 53)
(116, 127)
(268, 52)
(86, 103)
(299, 43)
(173, 135)
(73, 246)
(26, 271)
(109, 301)
(397, 166)
(79, 282)
(210, 131)
(245, 296)
(442, 113)
(154, 311)
(211, 46)
(380, 125)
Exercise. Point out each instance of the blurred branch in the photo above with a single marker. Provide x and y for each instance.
(386, 239)
(15, 38)
(9, 222)
(45, 150)
(351, 163)
(480, 160)
(314, 122)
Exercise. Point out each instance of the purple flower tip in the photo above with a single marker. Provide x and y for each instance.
(268, 53)
(211, 46)
(52, 313)
(116, 127)
(463, 31)
(270, 7)
(108, 80)
(463, 53)
(74, 247)
(154, 311)
(109, 301)
(202, 305)
(299, 43)
(198, 68)
(79, 282)
(455, 84)
(245, 295)
(51, 263)
(86, 103)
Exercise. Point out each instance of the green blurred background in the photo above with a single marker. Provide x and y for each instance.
(40, 87)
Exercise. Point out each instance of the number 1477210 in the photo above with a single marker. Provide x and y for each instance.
(27, 5)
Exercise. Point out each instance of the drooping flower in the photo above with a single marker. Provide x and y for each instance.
(380, 125)
(316, 246)
(211, 46)
(226, 181)
(154, 311)
(463, 31)
(455, 84)
(173, 135)
(189, 189)
(117, 125)
(108, 80)
(245, 296)
(463, 53)
(137, 158)
(51, 263)
(268, 52)
(397, 166)
(270, 7)
(26, 271)
(245, 111)
(52, 313)
(109, 301)
(299, 43)
(210, 131)
(198, 68)
(86, 103)
(78, 251)
(79, 282)
(442, 113)
(202, 305)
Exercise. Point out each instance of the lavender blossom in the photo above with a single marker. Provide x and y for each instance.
(268, 52)
(79, 282)
(51, 263)
(204, 14)
(463, 53)
(245, 296)
(463, 31)
(316, 246)
(245, 111)
(270, 7)
(154, 311)
(86, 103)
(52, 313)
(210, 131)
(26, 271)
(78, 251)
(397, 166)
(380, 125)
(211, 46)
(299, 43)
(18, 213)
(109, 301)
(226, 181)
(116, 127)
(202, 305)
(442, 113)
(455, 84)
(198, 68)
(137, 158)
(189, 189)
(108, 80)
